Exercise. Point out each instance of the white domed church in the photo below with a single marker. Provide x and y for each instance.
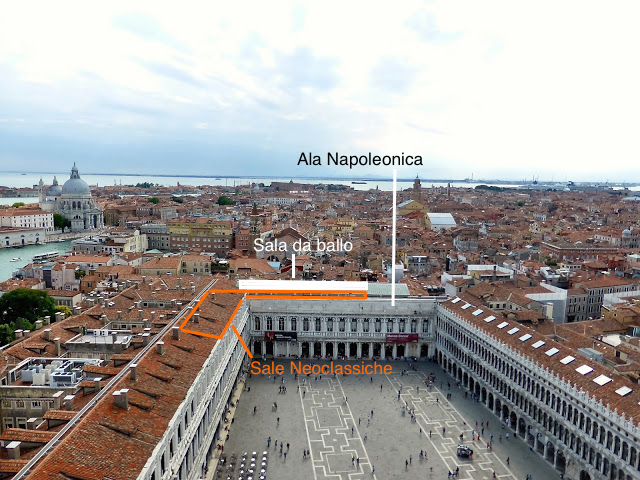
(73, 201)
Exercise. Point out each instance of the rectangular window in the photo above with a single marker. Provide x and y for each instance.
(329, 324)
(318, 324)
(365, 325)
(269, 323)
(294, 324)
(305, 324)
(401, 325)
(425, 326)
(414, 325)
(36, 404)
(341, 325)
(378, 325)
(281, 323)
(389, 326)
(19, 403)
(354, 325)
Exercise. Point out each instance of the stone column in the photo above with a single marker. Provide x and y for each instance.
(288, 353)
(275, 349)
(395, 350)
(370, 349)
(335, 350)
(323, 349)
(300, 348)
(264, 347)
(383, 348)
(359, 347)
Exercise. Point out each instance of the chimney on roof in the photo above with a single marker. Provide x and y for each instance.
(193, 289)
(119, 315)
(160, 347)
(137, 286)
(134, 371)
(139, 315)
(76, 311)
(495, 271)
(31, 423)
(144, 279)
(196, 318)
(59, 316)
(13, 450)
(114, 337)
(56, 399)
(153, 295)
(153, 316)
(47, 320)
(38, 324)
(17, 333)
(47, 334)
(96, 384)
(56, 342)
(176, 333)
(68, 402)
(121, 398)
(104, 319)
(145, 323)
(179, 282)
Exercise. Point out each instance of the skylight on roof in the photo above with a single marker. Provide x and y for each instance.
(538, 344)
(464, 307)
(584, 369)
(567, 360)
(525, 337)
(551, 352)
(622, 391)
(489, 319)
(602, 380)
(477, 312)
(513, 330)
(503, 324)
(456, 300)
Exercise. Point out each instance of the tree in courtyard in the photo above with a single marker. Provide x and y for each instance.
(60, 222)
(18, 204)
(224, 200)
(154, 200)
(27, 304)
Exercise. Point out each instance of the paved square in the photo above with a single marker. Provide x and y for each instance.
(361, 418)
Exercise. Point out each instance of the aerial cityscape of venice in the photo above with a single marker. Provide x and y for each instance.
(319, 241)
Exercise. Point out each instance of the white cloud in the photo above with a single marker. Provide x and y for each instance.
(472, 86)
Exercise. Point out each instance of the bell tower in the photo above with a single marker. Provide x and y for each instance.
(417, 190)
(254, 229)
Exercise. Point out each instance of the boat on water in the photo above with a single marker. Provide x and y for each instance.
(43, 257)
(359, 183)
(16, 259)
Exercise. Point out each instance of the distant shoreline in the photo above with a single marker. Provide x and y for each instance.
(342, 179)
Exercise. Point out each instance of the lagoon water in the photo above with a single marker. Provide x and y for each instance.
(16, 180)
(26, 253)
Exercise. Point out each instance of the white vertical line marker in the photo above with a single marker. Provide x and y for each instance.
(293, 265)
(393, 244)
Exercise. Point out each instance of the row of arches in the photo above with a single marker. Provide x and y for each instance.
(518, 398)
(331, 349)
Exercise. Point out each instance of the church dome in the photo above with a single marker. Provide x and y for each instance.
(75, 185)
(54, 190)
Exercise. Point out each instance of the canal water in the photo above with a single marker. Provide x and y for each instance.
(26, 253)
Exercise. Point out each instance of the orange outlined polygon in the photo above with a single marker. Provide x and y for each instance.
(352, 295)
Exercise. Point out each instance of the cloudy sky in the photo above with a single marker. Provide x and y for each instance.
(494, 89)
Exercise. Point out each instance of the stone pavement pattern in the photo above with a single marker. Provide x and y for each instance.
(314, 416)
